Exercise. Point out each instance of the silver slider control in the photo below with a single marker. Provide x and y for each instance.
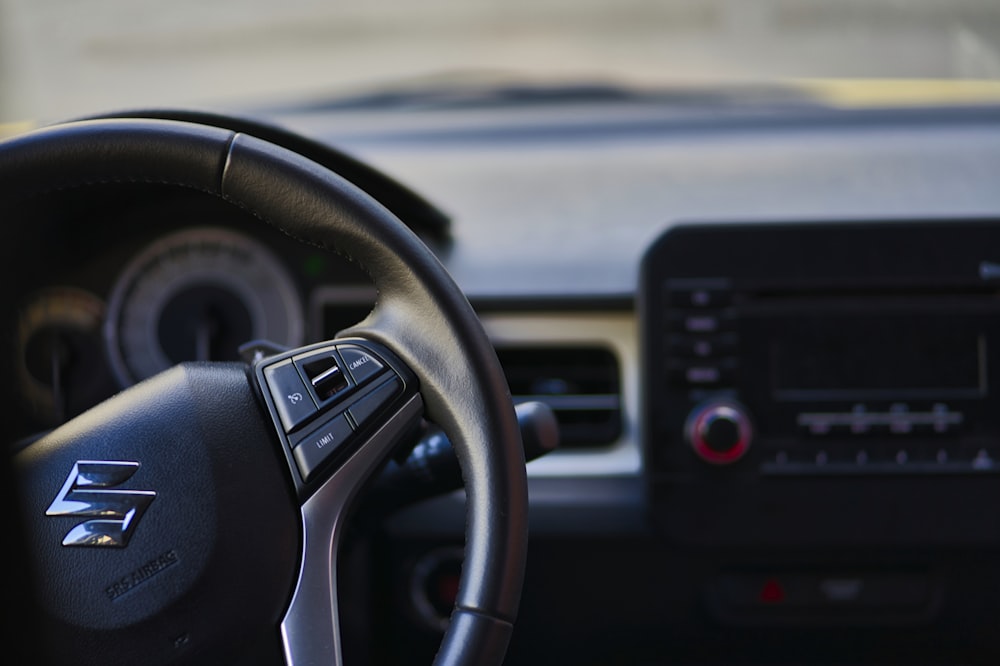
(325, 375)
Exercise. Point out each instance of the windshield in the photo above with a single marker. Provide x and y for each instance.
(60, 58)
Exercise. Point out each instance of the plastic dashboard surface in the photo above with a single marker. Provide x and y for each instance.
(552, 211)
(549, 219)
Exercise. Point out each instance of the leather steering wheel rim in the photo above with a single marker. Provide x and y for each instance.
(420, 314)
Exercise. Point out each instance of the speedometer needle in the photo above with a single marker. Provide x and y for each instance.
(57, 397)
(59, 357)
(203, 339)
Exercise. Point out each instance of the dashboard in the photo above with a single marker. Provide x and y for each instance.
(769, 335)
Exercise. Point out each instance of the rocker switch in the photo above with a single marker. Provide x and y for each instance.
(362, 365)
(325, 375)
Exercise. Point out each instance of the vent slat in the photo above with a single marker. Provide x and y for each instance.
(580, 384)
(574, 402)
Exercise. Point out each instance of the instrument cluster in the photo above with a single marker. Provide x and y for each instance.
(192, 286)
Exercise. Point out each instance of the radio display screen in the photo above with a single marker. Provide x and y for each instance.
(870, 357)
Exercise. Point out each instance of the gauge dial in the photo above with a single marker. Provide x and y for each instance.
(60, 362)
(197, 296)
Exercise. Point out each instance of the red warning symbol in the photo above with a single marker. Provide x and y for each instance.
(772, 592)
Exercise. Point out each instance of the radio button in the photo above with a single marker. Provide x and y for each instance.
(943, 420)
(859, 427)
(980, 455)
(701, 324)
(983, 461)
(703, 375)
(708, 296)
(704, 346)
(939, 428)
(707, 322)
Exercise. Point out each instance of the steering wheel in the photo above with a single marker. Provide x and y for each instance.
(183, 517)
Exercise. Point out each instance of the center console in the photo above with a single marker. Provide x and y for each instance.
(823, 384)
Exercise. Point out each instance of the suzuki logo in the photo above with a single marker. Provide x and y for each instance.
(86, 493)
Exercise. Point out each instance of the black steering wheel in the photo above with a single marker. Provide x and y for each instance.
(185, 516)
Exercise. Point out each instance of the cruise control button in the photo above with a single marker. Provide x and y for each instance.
(319, 445)
(365, 408)
(324, 373)
(291, 399)
(361, 364)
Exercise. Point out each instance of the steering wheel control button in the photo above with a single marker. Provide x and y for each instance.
(360, 363)
(291, 398)
(372, 403)
(317, 447)
(319, 395)
(719, 432)
(324, 374)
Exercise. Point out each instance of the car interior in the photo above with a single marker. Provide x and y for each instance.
(507, 373)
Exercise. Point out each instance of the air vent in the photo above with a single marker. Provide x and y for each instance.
(580, 384)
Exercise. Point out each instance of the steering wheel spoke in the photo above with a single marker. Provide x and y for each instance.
(310, 629)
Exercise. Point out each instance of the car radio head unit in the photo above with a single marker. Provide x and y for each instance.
(841, 376)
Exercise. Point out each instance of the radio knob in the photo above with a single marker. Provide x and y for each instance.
(719, 431)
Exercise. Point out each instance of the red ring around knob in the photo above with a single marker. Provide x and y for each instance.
(702, 417)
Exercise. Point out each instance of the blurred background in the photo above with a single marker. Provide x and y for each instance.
(60, 58)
